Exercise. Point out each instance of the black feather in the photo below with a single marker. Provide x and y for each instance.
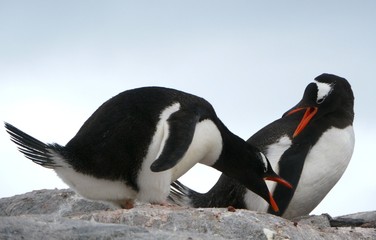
(32, 148)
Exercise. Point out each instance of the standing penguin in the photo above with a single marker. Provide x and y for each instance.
(310, 146)
(138, 142)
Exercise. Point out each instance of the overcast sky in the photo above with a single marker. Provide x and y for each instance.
(60, 60)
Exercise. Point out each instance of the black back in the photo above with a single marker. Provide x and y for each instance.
(112, 143)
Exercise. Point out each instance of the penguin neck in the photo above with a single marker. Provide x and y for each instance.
(344, 118)
(233, 152)
(338, 119)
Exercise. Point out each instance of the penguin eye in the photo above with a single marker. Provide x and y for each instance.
(264, 161)
(321, 100)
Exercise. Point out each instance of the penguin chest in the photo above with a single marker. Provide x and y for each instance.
(205, 148)
(155, 186)
(323, 167)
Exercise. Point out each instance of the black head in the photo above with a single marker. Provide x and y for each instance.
(339, 98)
(330, 96)
(258, 170)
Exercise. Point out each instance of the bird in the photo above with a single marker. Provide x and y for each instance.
(141, 140)
(310, 146)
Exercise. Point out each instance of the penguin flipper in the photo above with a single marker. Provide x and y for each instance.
(181, 128)
(290, 168)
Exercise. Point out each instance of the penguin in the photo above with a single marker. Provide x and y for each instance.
(310, 146)
(138, 142)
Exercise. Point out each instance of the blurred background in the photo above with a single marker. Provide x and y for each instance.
(60, 60)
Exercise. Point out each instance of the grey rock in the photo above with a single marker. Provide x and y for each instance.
(319, 221)
(52, 227)
(362, 219)
(62, 202)
(61, 214)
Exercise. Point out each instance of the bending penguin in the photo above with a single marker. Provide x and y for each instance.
(138, 142)
(310, 146)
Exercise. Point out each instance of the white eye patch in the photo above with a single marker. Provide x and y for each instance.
(323, 90)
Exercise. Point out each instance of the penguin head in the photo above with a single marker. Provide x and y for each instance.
(262, 170)
(329, 94)
(339, 97)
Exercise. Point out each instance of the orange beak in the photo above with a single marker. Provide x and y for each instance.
(279, 180)
(273, 203)
(308, 115)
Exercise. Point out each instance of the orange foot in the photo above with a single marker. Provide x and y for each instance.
(127, 204)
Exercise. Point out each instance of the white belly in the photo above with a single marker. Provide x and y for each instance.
(205, 147)
(323, 167)
(325, 164)
(155, 186)
(94, 188)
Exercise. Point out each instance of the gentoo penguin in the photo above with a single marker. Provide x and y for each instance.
(138, 142)
(310, 146)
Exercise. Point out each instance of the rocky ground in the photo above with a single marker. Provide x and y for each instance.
(61, 214)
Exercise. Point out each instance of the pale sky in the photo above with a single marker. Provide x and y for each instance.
(60, 60)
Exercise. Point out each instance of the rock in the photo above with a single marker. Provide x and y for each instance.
(320, 221)
(362, 219)
(52, 227)
(61, 202)
(61, 214)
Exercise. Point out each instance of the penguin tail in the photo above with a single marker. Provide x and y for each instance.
(46, 155)
(182, 195)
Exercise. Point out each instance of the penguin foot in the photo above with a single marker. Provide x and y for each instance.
(127, 204)
(231, 209)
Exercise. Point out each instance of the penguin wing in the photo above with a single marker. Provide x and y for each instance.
(290, 168)
(181, 128)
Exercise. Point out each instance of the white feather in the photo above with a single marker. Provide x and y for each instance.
(205, 148)
(323, 167)
(91, 187)
(325, 164)
(155, 186)
(323, 90)
(273, 153)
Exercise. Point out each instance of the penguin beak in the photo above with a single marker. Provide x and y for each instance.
(272, 203)
(281, 181)
(310, 112)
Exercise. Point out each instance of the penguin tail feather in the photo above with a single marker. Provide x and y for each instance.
(181, 195)
(35, 150)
